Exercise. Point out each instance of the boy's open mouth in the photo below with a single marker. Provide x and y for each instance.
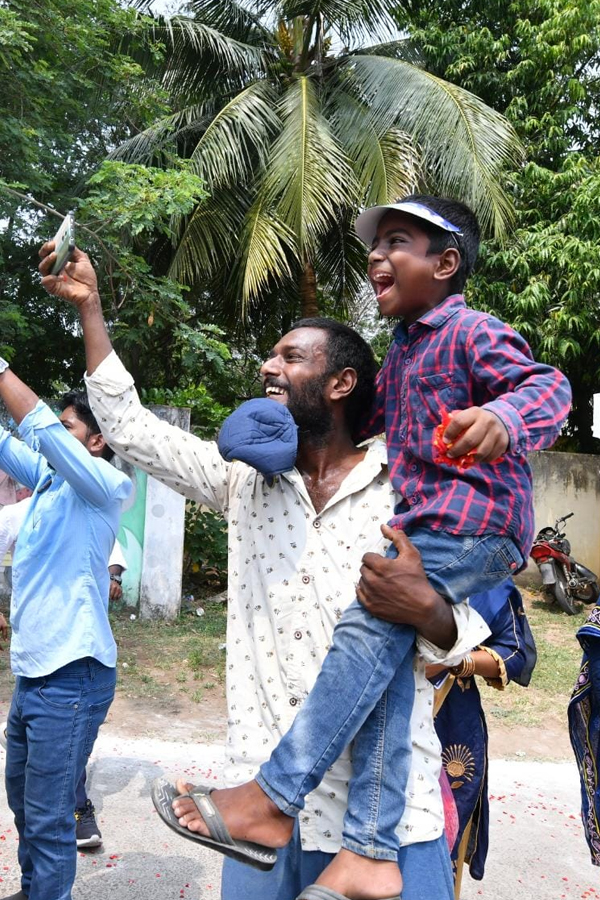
(381, 282)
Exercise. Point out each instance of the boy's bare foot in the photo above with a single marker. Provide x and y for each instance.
(247, 811)
(361, 878)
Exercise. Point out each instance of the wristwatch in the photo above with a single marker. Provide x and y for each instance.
(116, 578)
(3, 365)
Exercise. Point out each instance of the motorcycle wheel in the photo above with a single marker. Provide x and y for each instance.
(588, 593)
(561, 592)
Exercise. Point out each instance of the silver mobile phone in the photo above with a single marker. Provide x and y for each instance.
(64, 243)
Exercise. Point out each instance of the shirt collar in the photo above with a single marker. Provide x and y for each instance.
(359, 478)
(437, 316)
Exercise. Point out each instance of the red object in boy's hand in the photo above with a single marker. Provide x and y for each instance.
(440, 448)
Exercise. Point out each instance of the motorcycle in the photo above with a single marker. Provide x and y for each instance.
(565, 578)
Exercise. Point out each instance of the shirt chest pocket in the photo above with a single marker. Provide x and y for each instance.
(432, 396)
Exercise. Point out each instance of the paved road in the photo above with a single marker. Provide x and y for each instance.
(537, 846)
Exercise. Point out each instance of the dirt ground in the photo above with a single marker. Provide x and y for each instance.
(206, 721)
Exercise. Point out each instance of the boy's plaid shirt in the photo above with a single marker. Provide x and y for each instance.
(453, 358)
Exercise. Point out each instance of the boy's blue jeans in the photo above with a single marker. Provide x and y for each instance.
(52, 725)
(365, 692)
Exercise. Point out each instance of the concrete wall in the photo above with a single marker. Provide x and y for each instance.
(564, 483)
(160, 586)
(151, 536)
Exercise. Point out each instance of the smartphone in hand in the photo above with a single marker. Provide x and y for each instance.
(64, 243)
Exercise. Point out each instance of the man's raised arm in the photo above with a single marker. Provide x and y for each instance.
(77, 284)
(181, 460)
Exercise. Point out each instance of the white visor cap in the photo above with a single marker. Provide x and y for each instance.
(366, 223)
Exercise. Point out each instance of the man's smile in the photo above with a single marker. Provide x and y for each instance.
(274, 391)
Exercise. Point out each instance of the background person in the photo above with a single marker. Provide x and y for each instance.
(584, 730)
(62, 649)
(508, 654)
(87, 832)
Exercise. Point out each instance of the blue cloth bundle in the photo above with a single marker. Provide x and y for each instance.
(261, 433)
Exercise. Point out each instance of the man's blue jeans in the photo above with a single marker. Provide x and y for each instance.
(52, 725)
(365, 692)
(426, 873)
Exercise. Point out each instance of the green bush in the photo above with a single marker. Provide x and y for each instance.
(205, 547)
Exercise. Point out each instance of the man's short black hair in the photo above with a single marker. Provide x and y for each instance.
(80, 403)
(347, 349)
(467, 243)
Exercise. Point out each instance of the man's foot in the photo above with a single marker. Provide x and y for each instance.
(18, 896)
(87, 832)
(360, 877)
(3, 744)
(247, 811)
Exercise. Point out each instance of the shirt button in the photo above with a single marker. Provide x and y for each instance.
(317, 523)
(413, 468)
(409, 361)
(298, 635)
(293, 701)
(306, 579)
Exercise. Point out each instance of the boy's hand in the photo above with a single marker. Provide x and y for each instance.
(477, 432)
(77, 281)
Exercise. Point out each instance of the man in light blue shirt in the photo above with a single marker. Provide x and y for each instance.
(62, 649)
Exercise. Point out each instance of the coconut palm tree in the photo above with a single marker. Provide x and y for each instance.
(297, 114)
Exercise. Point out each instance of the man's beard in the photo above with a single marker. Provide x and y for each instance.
(311, 413)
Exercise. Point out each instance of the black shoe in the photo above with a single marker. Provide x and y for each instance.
(87, 831)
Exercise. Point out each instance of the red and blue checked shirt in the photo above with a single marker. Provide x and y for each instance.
(453, 358)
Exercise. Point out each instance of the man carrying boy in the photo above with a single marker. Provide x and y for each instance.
(467, 507)
(295, 552)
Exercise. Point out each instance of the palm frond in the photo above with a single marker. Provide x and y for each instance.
(386, 165)
(149, 145)
(403, 48)
(199, 55)
(351, 19)
(238, 137)
(232, 19)
(308, 177)
(208, 238)
(266, 245)
(341, 264)
(464, 144)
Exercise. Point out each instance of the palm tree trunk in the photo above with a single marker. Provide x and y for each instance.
(309, 303)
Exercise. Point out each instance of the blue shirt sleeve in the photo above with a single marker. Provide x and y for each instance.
(21, 463)
(507, 638)
(93, 479)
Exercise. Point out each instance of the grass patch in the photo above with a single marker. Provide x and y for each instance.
(559, 658)
(158, 658)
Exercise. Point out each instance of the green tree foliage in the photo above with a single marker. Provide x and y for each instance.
(68, 97)
(295, 114)
(537, 62)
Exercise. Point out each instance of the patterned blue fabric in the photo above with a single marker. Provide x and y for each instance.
(461, 724)
(584, 730)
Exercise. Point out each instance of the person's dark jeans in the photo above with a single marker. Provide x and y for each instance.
(52, 725)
